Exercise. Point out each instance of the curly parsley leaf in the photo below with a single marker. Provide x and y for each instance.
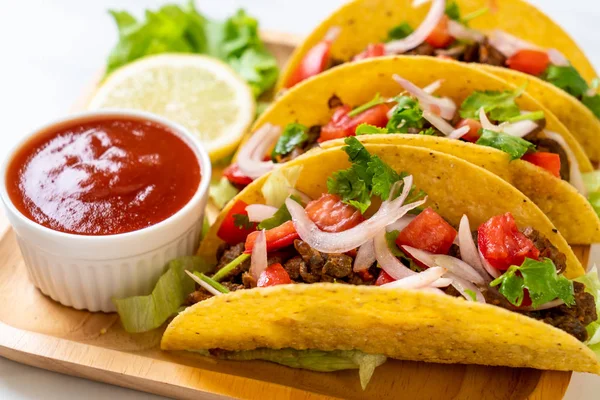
(566, 78)
(293, 135)
(407, 114)
(512, 145)
(399, 31)
(541, 281)
(499, 106)
(593, 103)
(242, 221)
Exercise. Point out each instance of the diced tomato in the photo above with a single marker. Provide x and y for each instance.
(341, 125)
(231, 233)
(532, 62)
(372, 51)
(429, 232)
(274, 275)
(365, 275)
(383, 278)
(314, 62)
(474, 127)
(330, 214)
(235, 176)
(502, 244)
(277, 238)
(549, 161)
(440, 37)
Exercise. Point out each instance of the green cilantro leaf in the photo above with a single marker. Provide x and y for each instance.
(242, 221)
(541, 281)
(383, 177)
(500, 106)
(399, 31)
(351, 187)
(452, 10)
(593, 103)
(293, 135)
(429, 132)
(407, 114)
(566, 78)
(370, 104)
(281, 215)
(512, 145)
(390, 238)
(366, 129)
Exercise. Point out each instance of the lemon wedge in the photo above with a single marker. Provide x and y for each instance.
(201, 93)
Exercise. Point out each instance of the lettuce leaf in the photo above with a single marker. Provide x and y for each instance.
(145, 313)
(221, 192)
(315, 360)
(181, 29)
(592, 286)
(277, 186)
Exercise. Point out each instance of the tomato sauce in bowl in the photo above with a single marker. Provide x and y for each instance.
(102, 177)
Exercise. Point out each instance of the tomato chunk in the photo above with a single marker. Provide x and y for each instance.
(235, 176)
(341, 125)
(330, 214)
(502, 244)
(314, 62)
(549, 161)
(532, 62)
(383, 278)
(231, 233)
(274, 275)
(372, 51)
(440, 37)
(474, 128)
(277, 238)
(429, 232)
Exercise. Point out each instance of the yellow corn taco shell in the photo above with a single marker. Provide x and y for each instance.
(357, 83)
(399, 324)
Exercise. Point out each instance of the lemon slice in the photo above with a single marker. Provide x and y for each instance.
(199, 92)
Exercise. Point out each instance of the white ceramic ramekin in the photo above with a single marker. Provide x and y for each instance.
(86, 272)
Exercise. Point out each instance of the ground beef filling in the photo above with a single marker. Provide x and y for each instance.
(307, 265)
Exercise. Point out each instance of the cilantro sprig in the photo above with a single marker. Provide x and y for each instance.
(514, 146)
(407, 114)
(400, 31)
(242, 221)
(294, 135)
(568, 79)
(499, 106)
(281, 215)
(541, 281)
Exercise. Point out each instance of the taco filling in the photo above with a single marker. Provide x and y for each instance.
(445, 33)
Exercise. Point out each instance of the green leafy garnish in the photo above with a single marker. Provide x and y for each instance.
(499, 106)
(293, 136)
(242, 221)
(211, 282)
(592, 286)
(370, 104)
(145, 313)
(475, 14)
(593, 103)
(407, 114)
(453, 11)
(471, 294)
(591, 180)
(383, 177)
(277, 186)
(512, 145)
(281, 215)
(222, 191)
(567, 78)
(181, 29)
(429, 132)
(530, 116)
(366, 129)
(222, 273)
(399, 31)
(390, 238)
(541, 281)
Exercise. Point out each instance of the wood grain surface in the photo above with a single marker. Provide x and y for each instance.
(35, 330)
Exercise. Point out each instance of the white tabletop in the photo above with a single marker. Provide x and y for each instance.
(50, 53)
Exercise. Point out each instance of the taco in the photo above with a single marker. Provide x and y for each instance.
(389, 251)
(534, 152)
(510, 38)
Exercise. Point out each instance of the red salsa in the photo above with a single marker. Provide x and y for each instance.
(103, 177)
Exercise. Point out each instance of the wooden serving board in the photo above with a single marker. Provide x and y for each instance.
(37, 331)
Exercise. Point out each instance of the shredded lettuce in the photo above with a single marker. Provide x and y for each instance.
(276, 188)
(221, 192)
(315, 360)
(592, 286)
(591, 181)
(145, 313)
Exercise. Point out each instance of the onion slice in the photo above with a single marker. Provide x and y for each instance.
(460, 132)
(462, 285)
(258, 262)
(332, 34)
(260, 212)
(435, 14)
(400, 223)
(557, 58)
(388, 262)
(468, 249)
(461, 32)
(517, 129)
(508, 44)
(365, 257)
(250, 157)
(575, 177)
(442, 282)
(488, 267)
(545, 306)
(417, 281)
(433, 87)
(442, 106)
(204, 285)
(341, 242)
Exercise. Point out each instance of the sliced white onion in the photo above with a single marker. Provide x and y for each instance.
(545, 306)
(517, 129)
(417, 281)
(418, 3)
(433, 290)
(461, 32)
(205, 285)
(388, 262)
(260, 212)
(332, 34)
(557, 58)
(400, 224)
(442, 106)
(454, 265)
(488, 267)
(462, 285)
(460, 132)
(485, 122)
(435, 14)
(468, 249)
(341, 242)
(575, 177)
(250, 157)
(258, 259)
(365, 257)
(442, 282)
(508, 44)
(301, 195)
(438, 122)
(433, 87)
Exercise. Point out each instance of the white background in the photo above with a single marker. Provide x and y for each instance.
(50, 50)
